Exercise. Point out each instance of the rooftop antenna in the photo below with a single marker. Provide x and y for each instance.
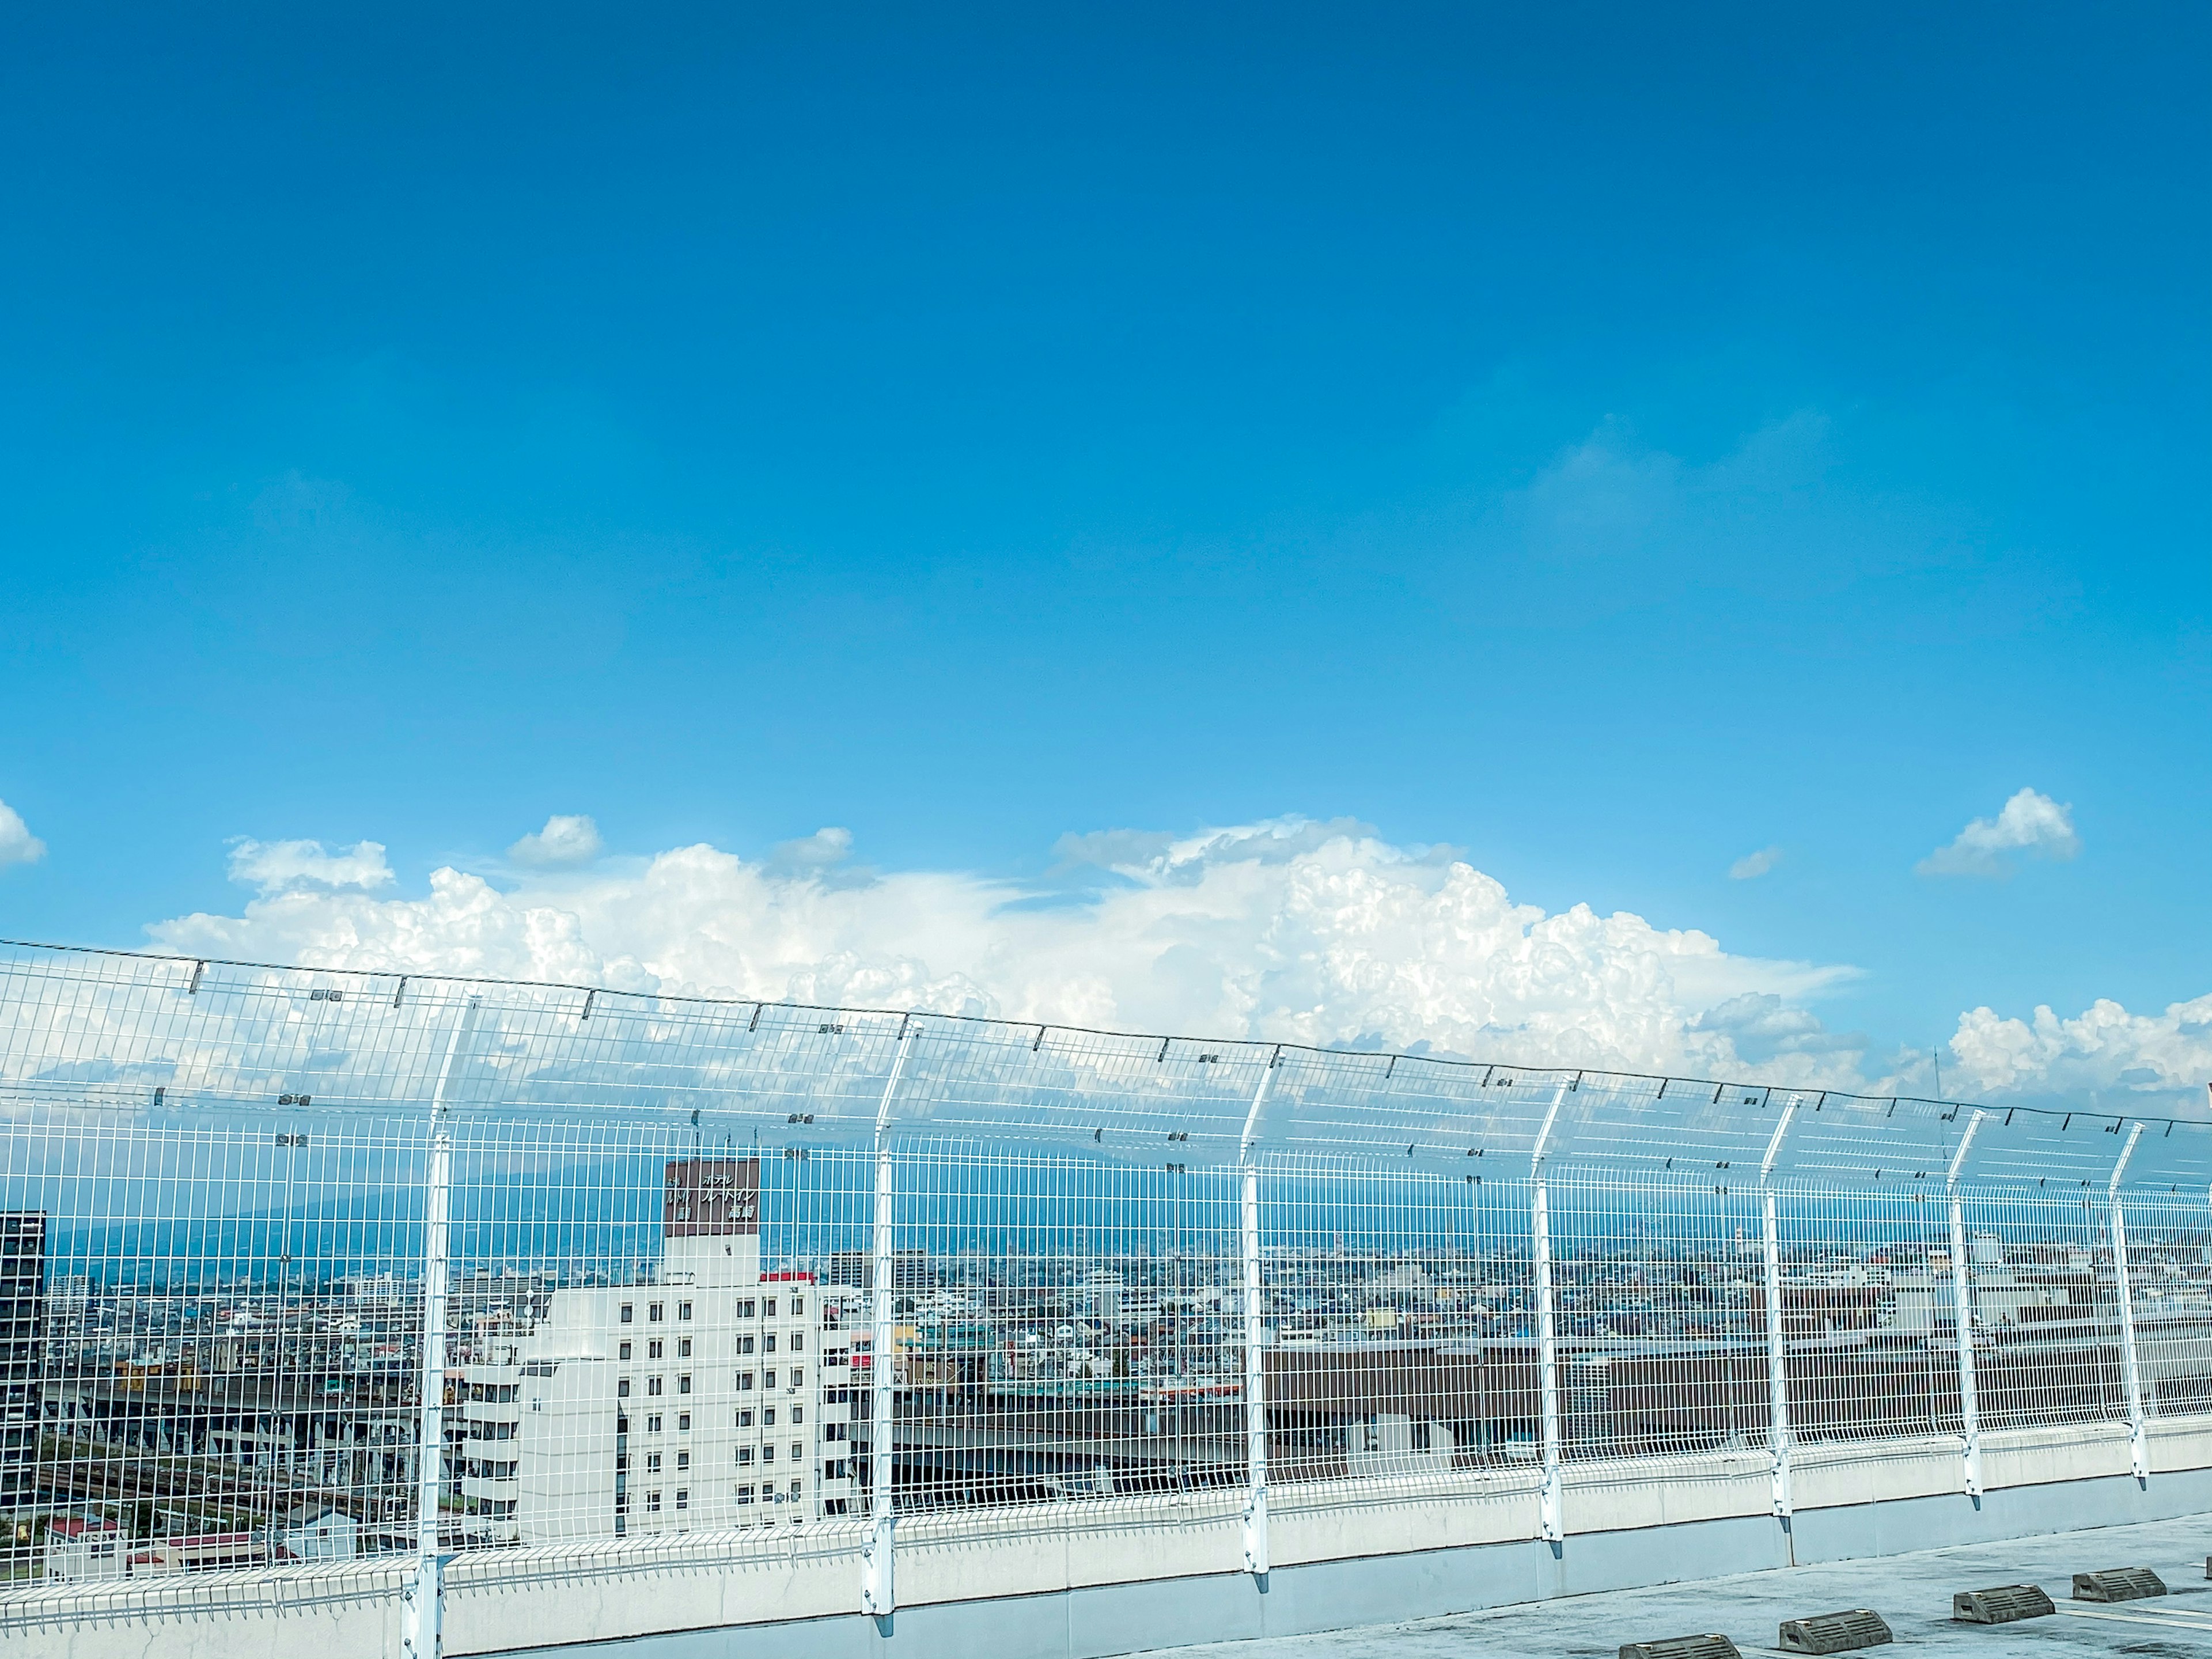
(1937, 1055)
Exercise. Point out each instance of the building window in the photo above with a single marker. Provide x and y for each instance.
(741, 1494)
(768, 1418)
(683, 1460)
(653, 1463)
(653, 1385)
(767, 1379)
(771, 1309)
(684, 1348)
(653, 1424)
(653, 1312)
(797, 1306)
(623, 1352)
(797, 1341)
(653, 1349)
(797, 1415)
(622, 1387)
(622, 1424)
(797, 1452)
(745, 1381)
(768, 1453)
(833, 1431)
(798, 1489)
(652, 1503)
(745, 1457)
(626, 1313)
(683, 1497)
(684, 1383)
(748, 1310)
(768, 1343)
(745, 1419)
(798, 1375)
(745, 1345)
(684, 1422)
(683, 1310)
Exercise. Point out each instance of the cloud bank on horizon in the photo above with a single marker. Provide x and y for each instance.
(1290, 930)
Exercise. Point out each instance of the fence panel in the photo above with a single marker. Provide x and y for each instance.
(1866, 1312)
(225, 1341)
(1066, 1330)
(2170, 1267)
(2045, 1308)
(1401, 1351)
(651, 1329)
(1662, 1317)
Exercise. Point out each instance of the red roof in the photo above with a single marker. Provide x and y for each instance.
(69, 1526)
(781, 1279)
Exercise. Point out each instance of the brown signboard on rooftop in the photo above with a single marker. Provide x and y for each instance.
(710, 1198)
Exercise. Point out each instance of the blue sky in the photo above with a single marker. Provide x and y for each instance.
(1606, 441)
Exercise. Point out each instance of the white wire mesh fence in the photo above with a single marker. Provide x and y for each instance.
(725, 1269)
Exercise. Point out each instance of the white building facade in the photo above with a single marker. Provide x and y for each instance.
(695, 1402)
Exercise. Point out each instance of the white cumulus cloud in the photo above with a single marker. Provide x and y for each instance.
(17, 844)
(287, 867)
(1752, 865)
(566, 839)
(2030, 823)
(2104, 1054)
(1293, 930)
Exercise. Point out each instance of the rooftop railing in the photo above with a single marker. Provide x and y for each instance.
(735, 1271)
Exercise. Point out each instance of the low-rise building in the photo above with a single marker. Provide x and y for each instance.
(79, 1548)
(356, 1443)
(202, 1552)
(318, 1532)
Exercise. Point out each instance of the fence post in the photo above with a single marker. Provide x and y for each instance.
(421, 1613)
(1962, 1302)
(2131, 1369)
(1547, 1352)
(1777, 1379)
(877, 1592)
(1255, 1356)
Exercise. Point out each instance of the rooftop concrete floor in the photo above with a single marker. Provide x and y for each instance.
(1913, 1592)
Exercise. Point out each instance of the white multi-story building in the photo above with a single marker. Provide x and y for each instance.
(694, 1402)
